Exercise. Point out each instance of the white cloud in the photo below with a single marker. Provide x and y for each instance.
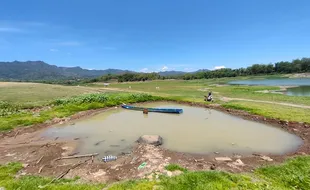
(53, 50)
(8, 29)
(219, 67)
(144, 70)
(68, 43)
(165, 68)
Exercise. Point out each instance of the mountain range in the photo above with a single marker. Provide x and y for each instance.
(39, 70)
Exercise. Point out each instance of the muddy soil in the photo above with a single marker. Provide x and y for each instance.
(40, 156)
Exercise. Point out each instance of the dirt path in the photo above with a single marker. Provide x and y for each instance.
(226, 99)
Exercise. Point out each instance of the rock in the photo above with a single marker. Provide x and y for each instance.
(266, 158)
(9, 154)
(238, 162)
(237, 156)
(223, 159)
(99, 173)
(177, 172)
(302, 153)
(216, 152)
(169, 173)
(151, 139)
(233, 166)
(213, 167)
(25, 165)
(65, 148)
(150, 177)
(115, 166)
(174, 173)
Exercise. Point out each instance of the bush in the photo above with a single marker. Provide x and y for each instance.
(7, 109)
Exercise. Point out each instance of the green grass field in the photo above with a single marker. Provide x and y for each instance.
(35, 94)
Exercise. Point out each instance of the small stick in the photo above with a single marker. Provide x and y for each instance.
(77, 156)
(74, 153)
(99, 142)
(16, 134)
(64, 173)
(39, 160)
(41, 168)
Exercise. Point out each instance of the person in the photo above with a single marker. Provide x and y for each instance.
(209, 97)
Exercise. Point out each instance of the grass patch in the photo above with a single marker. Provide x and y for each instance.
(35, 94)
(134, 185)
(271, 110)
(69, 106)
(8, 180)
(174, 167)
(293, 174)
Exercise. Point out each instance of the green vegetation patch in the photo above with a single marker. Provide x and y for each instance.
(69, 106)
(10, 182)
(271, 110)
(35, 94)
(293, 174)
(174, 167)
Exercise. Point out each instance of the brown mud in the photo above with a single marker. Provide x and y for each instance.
(39, 155)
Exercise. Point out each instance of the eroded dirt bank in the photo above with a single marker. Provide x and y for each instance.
(39, 155)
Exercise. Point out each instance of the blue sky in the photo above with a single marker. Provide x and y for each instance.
(154, 35)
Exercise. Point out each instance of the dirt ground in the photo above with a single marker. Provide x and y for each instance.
(41, 156)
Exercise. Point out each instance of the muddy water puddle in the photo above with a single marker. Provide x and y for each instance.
(197, 130)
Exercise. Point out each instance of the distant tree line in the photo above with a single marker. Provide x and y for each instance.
(127, 77)
(283, 67)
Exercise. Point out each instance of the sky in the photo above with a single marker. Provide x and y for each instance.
(154, 35)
